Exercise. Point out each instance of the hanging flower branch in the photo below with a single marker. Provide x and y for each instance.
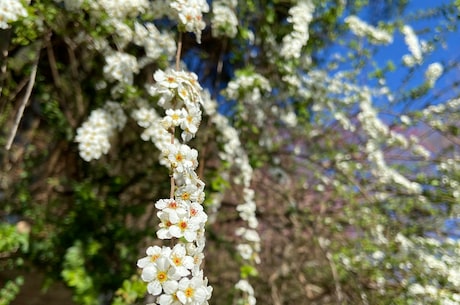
(175, 274)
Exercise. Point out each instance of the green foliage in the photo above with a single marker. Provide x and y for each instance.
(76, 276)
(14, 243)
(131, 290)
(9, 291)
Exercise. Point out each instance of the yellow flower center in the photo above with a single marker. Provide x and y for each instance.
(185, 196)
(154, 257)
(177, 261)
(162, 276)
(179, 157)
(183, 225)
(172, 205)
(189, 292)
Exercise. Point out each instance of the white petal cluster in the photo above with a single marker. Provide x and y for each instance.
(249, 89)
(10, 11)
(180, 94)
(362, 29)
(94, 134)
(386, 174)
(432, 73)
(412, 42)
(123, 33)
(439, 262)
(247, 289)
(224, 21)
(249, 246)
(121, 67)
(154, 42)
(174, 275)
(121, 8)
(300, 16)
(190, 15)
(149, 119)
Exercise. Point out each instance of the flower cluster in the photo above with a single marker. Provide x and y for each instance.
(148, 118)
(434, 114)
(362, 29)
(174, 275)
(190, 15)
(180, 94)
(300, 16)
(121, 67)
(246, 288)
(154, 42)
(93, 136)
(224, 21)
(249, 246)
(432, 73)
(121, 8)
(413, 44)
(10, 11)
(249, 88)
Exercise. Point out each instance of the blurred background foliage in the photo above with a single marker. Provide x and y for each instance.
(86, 224)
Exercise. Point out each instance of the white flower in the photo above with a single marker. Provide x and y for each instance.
(172, 208)
(159, 275)
(190, 123)
(300, 16)
(244, 286)
(187, 228)
(193, 291)
(181, 261)
(413, 44)
(290, 118)
(245, 251)
(174, 118)
(189, 193)
(197, 212)
(169, 297)
(93, 136)
(121, 67)
(153, 254)
(362, 29)
(180, 84)
(190, 15)
(433, 72)
(183, 227)
(121, 8)
(180, 157)
(10, 11)
(154, 42)
(224, 21)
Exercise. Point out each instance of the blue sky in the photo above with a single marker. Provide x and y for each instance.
(443, 53)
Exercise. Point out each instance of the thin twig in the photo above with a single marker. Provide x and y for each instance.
(179, 50)
(74, 72)
(335, 276)
(23, 105)
(173, 182)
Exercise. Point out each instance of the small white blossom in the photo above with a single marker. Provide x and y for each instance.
(413, 44)
(94, 134)
(224, 21)
(300, 16)
(10, 11)
(190, 15)
(121, 67)
(362, 29)
(433, 72)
